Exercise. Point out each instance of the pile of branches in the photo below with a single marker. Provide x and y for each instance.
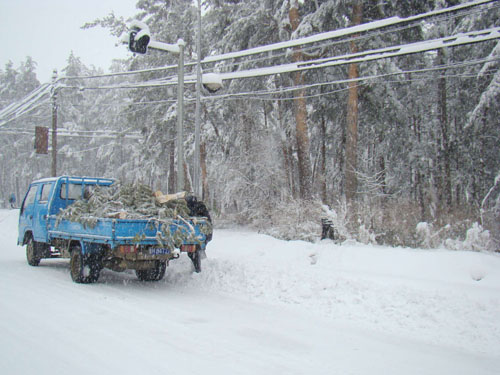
(128, 201)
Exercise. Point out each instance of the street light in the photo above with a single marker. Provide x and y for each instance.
(197, 114)
(212, 81)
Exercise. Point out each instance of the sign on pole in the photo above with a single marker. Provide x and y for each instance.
(42, 140)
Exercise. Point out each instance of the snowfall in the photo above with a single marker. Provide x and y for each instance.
(259, 306)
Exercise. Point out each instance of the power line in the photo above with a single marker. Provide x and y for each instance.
(295, 88)
(147, 84)
(75, 135)
(345, 32)
(369, 35)
(359, 79)
(117, 74)
(20, 114)
(27, 105)
(412, 21)
(370, 55)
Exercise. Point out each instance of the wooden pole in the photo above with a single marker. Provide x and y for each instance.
(54, 124)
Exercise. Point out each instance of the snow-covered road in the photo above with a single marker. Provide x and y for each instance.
(260, 306)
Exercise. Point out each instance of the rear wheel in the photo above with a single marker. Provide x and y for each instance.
(153, 274)
(84, 268)
(33, 255)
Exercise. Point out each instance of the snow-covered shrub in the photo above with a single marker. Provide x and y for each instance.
(424, 234)
(392, 223)
(290, 220)
(490, 213)
(366, 236)
(476, 238)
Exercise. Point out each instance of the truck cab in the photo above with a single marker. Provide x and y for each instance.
(47, 197)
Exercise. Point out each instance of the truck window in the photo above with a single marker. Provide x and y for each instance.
(45, 192)
(74, 191)
(30, 197)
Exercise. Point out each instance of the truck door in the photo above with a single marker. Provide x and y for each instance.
(40, 212)
(26, 212)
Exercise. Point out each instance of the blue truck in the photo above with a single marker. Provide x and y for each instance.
(144, 245)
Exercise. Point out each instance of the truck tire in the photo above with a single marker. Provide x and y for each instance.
(32, 253)
(153, 274)
(84, 268)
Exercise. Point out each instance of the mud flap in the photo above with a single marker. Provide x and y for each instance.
(196, 259)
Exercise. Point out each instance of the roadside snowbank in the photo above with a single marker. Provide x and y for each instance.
(446, 297)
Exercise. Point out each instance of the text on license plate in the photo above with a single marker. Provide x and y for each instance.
(159, 251)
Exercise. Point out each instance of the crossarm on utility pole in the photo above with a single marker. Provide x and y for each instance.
(173, 48)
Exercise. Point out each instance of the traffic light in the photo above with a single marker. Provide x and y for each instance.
(139, 37)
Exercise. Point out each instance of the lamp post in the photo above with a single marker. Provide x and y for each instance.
(197, 123)
(180, 118)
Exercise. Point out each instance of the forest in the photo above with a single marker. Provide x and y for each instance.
(402, 151)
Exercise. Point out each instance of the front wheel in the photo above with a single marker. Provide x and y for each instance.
(84, 268)
(32, 253)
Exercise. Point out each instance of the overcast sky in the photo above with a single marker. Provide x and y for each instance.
(47, 30)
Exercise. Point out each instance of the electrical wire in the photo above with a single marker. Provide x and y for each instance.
(29, 104)
(145, 84)
(283, 90)
(366, 35)
(259, 95)
(19, 115)
(344, 81)
(117, 74)
(269, 98)
(355, 38)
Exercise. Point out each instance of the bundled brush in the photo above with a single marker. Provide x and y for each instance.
(128, 201)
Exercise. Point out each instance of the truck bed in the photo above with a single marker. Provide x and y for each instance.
(114, 232)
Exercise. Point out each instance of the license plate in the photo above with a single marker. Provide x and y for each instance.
(158, 251)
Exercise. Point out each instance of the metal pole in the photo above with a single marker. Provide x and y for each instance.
(53, 94)
(196, 178)
(180, 118)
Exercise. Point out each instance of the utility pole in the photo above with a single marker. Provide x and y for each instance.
(197, 128)
(53, 96)
(180, 118)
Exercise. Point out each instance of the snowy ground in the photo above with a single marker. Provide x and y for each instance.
(260, 306)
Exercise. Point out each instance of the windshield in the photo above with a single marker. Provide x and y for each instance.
(74, 191)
